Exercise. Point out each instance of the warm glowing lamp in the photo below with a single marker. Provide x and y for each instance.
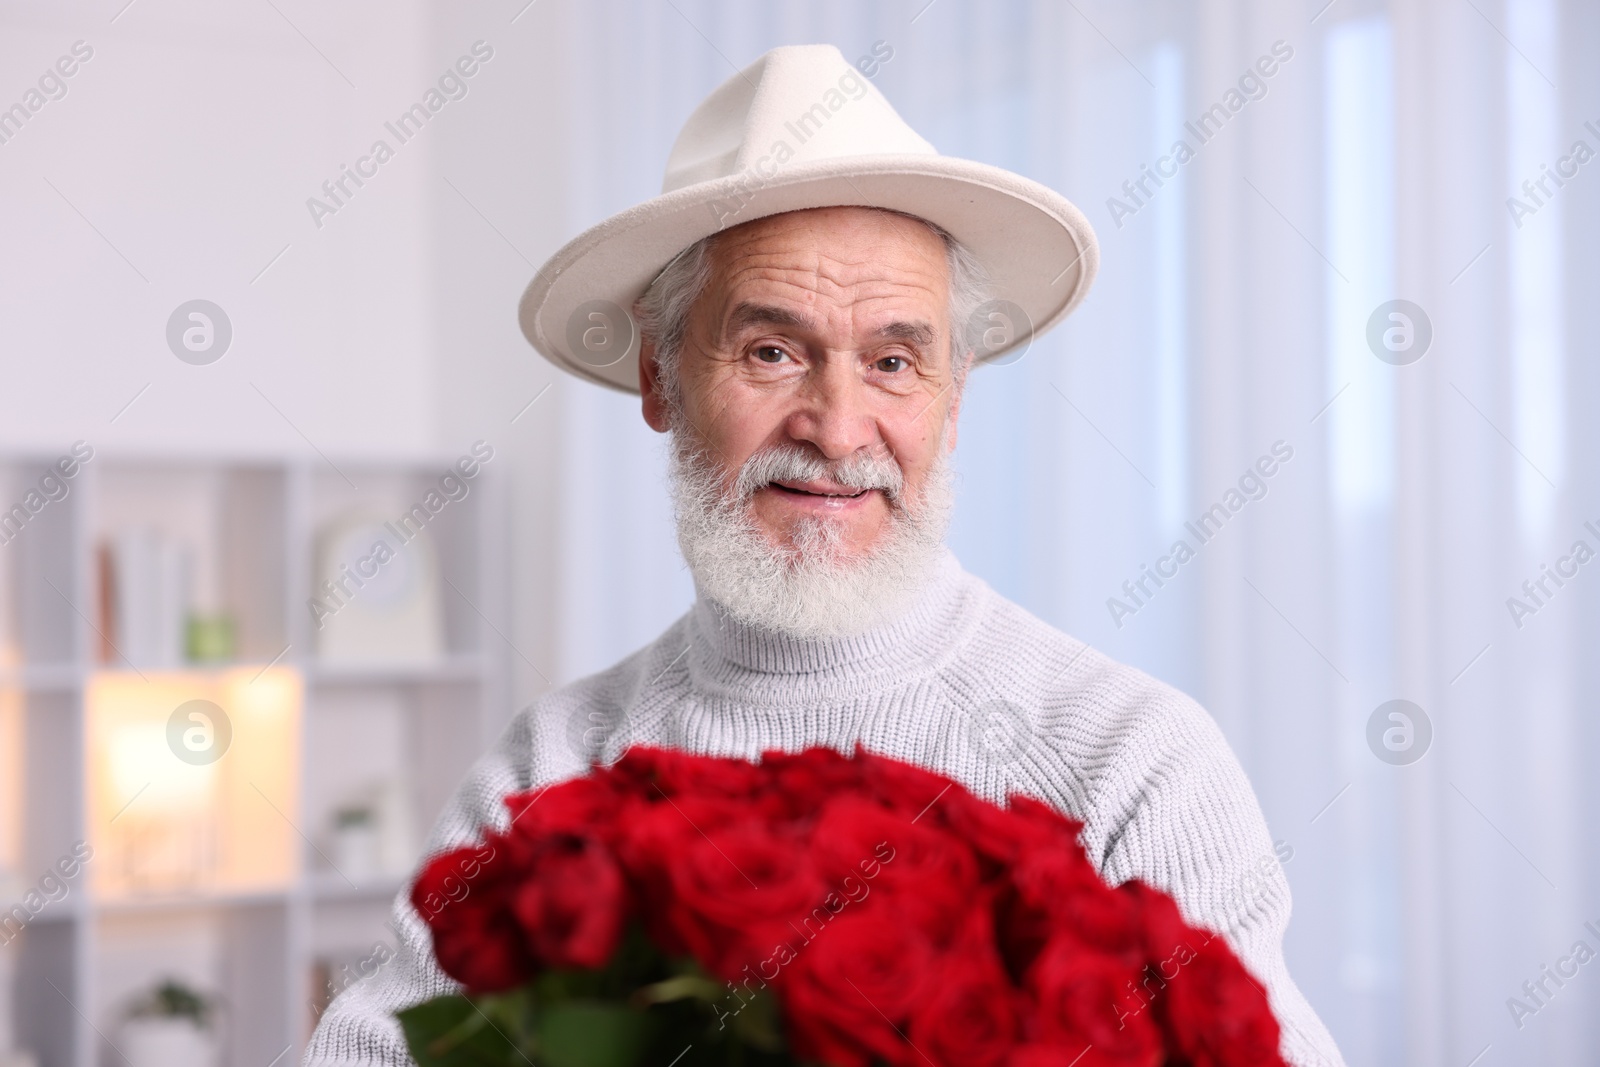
(193, 783)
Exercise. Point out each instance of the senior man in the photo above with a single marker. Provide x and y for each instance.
(810, 293)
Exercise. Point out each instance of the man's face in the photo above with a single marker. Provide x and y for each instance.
(825, 330)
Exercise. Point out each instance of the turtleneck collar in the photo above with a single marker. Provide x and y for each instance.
(751, 663)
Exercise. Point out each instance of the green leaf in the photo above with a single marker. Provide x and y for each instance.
(683, 987)
(588, 1034)
(452, 1031)
(759, 1024)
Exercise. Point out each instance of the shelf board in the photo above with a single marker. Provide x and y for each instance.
(200, 901)
(331, 886)
(460, 667)
(210, 667)
(66, 910)
(318, 885)
(44, 677)
(454, 668)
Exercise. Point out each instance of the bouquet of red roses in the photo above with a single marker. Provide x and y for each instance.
(675, 910)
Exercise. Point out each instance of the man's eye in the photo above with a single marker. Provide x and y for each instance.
(892, 364)
(771, 354)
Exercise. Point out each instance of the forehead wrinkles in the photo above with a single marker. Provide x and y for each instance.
(827, 282)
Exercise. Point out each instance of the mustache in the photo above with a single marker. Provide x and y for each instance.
(861, 470)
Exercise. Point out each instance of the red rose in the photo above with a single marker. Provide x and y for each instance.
(970, 1015)
(1207, 1005)
(1084, 998)
(971, 1021)
(905, 787)
(1035, 1055)
(464, 897)
(998, 835)
(799, 782)
(577, 805)
(1044, 818)
(1218, 1015)
(648, 847)
(898, 919)
(1057, 890)
(848, 994)
(1163, 924)
(737, 892)
(880, 858)
(571, 903)
(1045, 872)
(650, 837)
(657, 772)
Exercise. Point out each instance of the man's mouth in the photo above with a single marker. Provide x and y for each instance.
(819, 489)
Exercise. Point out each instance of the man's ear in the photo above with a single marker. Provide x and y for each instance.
(654, 407)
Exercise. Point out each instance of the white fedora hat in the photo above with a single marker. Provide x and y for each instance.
(801, 128)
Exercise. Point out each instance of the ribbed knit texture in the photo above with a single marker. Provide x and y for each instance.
(964, 683)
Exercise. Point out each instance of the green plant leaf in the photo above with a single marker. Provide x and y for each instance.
(589, 1034)
(759, 1024)
(171, 999)
(451, 1031)
(683, 987)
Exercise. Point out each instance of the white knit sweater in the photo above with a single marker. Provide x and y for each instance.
(965, 683)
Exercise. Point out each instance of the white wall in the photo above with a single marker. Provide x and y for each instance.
(189, 143)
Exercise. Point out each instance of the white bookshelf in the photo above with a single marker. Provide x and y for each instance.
(416, 725)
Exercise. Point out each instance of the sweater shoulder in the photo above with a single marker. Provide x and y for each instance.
(554, 737)
(570, 726)
(1047, 671)
(1075, 722)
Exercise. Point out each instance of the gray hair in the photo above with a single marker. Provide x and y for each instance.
(663, 311)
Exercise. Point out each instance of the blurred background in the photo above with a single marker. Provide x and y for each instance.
(229, 372)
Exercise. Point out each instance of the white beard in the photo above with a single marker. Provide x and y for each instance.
(812, 589)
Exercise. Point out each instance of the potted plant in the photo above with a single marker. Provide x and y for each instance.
(170, 1026)
(357, 846)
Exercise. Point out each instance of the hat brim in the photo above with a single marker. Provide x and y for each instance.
(1039, 250)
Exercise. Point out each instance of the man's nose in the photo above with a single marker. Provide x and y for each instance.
(832, 412)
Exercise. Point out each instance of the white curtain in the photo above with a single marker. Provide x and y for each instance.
(1408, 500)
